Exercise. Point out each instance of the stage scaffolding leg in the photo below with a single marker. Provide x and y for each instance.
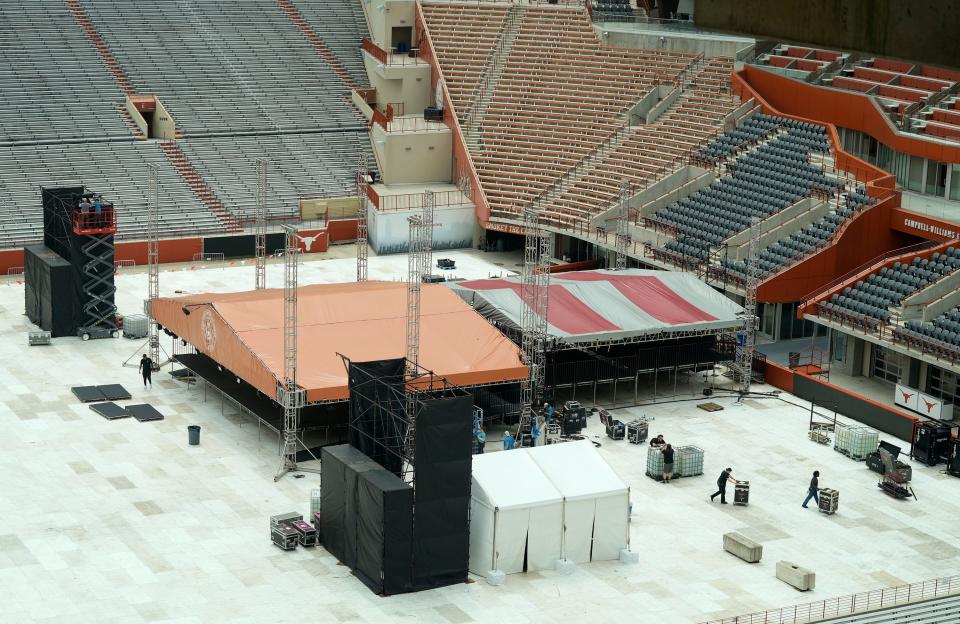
(289, 394)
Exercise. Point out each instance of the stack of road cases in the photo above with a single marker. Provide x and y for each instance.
(283, 536)
(689, 461)
(306, 534)
(637, 431)
(287, 517)
(829, 500)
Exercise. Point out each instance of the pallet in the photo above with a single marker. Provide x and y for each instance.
(850, 455)
(710, 407)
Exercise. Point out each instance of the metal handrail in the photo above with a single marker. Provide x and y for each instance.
(916, 247)
(861, 602)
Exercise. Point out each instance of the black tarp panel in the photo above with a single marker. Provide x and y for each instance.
(242, 246)
(441, 535)
(377, 410)
(58, 204)
(385, 532)
(341, 490)
(332, 504)
(49, 294)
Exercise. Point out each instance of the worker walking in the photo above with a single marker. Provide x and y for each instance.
(813, 490)
(146, 369)
(726, 475)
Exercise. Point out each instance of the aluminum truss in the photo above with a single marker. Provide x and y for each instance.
(419, 262)
(622, 239)
(534, 292)
(362, 248)
(260, 226)
(747, 330)
(289, 394)
(153, 261)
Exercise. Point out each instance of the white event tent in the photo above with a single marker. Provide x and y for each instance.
(515, 514)
(545, 504)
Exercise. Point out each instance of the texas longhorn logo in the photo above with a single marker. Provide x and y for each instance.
(209, 330)
(929, 405)
(906, 395)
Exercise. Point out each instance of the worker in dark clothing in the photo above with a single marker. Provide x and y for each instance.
(813, 490)
(667, 464)
(146, 369)
(725, 476)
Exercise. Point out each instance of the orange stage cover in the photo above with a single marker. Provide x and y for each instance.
(365, 321)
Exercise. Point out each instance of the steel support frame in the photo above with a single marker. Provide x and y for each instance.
(153, 261)
(534, 293)
(260, 227)
(747, 331)
(419, 259)
(291, 396)
(622, 237)
(362, 244)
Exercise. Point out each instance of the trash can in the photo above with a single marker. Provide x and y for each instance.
(193, 432)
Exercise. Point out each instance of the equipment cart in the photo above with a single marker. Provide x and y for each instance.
(829, 500)
(741, 493)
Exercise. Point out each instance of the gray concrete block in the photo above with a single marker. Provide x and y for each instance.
(743, 547)
(792, 574)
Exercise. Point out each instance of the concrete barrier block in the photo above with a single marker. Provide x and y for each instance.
(496, 577)
(743, 547)
(792, 574)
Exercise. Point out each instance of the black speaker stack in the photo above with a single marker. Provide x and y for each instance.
(931, 443)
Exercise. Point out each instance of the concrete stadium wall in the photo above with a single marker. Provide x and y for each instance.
(828, 396)
(648, 37)
(388, 230)
(414, 157)
(920, 30)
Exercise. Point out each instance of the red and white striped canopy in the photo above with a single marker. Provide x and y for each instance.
(587, 306)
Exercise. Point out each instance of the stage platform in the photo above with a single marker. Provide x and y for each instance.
(255, 402)
(364, 321)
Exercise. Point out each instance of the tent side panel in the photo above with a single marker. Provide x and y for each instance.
(482, 524)
(578, 518)
(511, 536)
(610, 530)
(545, 534)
